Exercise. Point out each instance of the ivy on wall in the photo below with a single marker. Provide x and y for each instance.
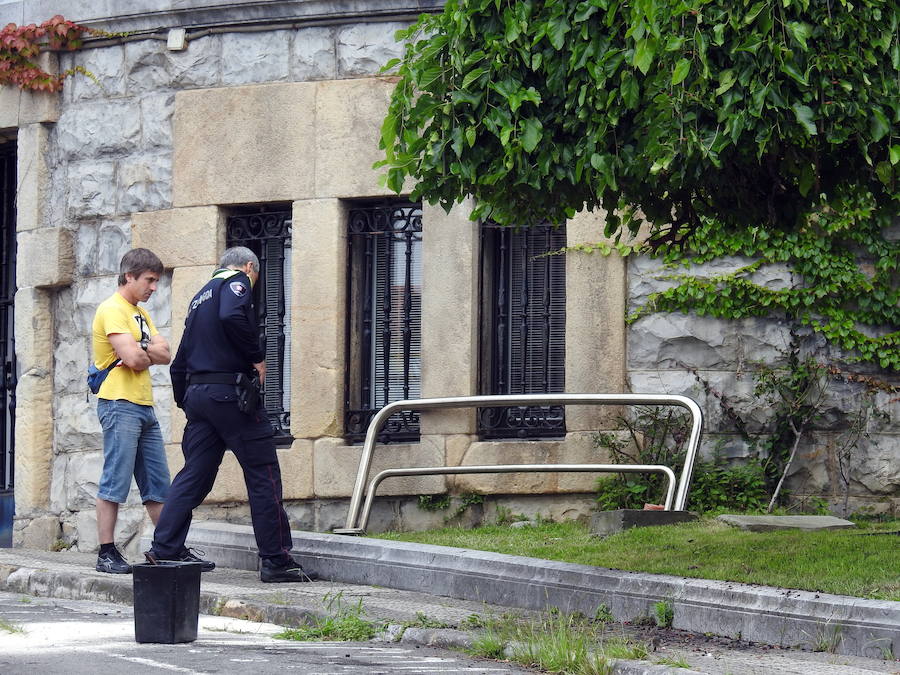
(845, 281)
(20, 47)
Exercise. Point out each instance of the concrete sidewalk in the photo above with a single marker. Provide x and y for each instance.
(387, 578)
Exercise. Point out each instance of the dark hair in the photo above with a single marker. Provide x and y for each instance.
(137, 261)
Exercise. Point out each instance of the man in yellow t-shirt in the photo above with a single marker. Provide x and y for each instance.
(124, 334)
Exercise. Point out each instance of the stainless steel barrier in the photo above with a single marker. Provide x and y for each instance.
(356, 524)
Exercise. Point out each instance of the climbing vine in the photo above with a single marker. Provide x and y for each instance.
(844, 273)
(20, 47)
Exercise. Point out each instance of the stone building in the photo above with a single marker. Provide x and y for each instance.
(206, 123)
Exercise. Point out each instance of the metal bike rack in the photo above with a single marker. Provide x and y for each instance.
(358, 516)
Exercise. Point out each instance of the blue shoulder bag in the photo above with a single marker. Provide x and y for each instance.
(95, 375)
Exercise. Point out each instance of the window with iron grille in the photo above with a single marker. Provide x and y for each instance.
(266, 230)
(523, 328)
(384, 321)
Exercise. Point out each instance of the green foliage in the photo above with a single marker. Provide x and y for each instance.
(434, 502)
(343, 623)
(718, 486)
(664, 613)
(733, 112)
(658, 436)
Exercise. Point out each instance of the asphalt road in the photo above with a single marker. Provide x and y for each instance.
(49, 636)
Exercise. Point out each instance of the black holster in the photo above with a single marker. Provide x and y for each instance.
(248, 393)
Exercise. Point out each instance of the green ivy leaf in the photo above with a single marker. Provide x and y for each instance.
(804, 115)
(895, 154)
(643, 54)
(682, 68)
(878, 125)
(471, 76)
(532, 132)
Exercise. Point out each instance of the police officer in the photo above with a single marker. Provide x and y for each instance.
(213, 381)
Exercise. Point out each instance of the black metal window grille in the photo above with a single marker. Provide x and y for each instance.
(267, 232)
(7, 337)
(523, 341)
(384, 326)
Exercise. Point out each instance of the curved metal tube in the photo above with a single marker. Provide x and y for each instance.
(511, 468)
(495, 401)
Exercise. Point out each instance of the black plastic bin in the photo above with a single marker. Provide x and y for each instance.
(166, 602)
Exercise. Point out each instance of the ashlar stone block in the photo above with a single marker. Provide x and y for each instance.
(33, 440)
(595, 337)
(318, 298)
(576, 449)
(186, 237)
(451, 248)
(244, 144)
(336, 467)
(349, 115)
(46, 258)
(33, 174)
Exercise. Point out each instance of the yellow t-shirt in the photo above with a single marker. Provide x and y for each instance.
(117, 315)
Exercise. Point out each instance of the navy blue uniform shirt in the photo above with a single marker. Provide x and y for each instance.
(220, 334)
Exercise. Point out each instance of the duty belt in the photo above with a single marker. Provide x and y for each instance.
(214, 378)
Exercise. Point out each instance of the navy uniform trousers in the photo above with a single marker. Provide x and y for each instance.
(214, 423)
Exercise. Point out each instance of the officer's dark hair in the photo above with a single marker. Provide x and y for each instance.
(137, 261)
(238, 256)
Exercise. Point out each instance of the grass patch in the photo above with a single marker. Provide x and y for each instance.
(344, 623)
(860, 562)
(10, 627)
(555, 643)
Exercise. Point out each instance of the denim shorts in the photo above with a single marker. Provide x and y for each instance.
(132, 446)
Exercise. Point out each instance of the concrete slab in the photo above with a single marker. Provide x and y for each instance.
(604, 523)
(774, 616)
(768, 523)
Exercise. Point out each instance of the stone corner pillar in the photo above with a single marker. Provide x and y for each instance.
(34, 400)
(595, 324)
(450, 295)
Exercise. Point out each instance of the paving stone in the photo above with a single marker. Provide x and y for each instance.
(768, 523)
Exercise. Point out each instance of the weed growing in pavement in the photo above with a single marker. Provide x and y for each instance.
(827, 639)
(603, 614)
(664, 612)
(344, 623)
(623, 648)
(555, 642)
(423, 621)
(10, 627)
(25, 599)
(677, 662)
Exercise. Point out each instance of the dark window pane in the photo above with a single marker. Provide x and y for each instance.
(384, 335)
(267, 232)
(524, 345)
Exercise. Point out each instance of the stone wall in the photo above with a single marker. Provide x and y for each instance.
(710, 360)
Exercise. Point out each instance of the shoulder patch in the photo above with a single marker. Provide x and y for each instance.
(237, 288)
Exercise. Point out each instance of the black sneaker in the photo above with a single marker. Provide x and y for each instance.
(273, 572)
(186, 555)
(112, 562)
(192, 555)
